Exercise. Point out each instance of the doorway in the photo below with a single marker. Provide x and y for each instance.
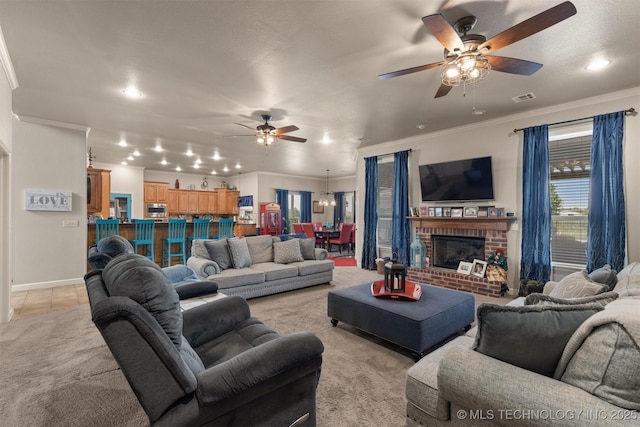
(120, 206)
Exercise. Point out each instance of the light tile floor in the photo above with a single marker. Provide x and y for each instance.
(41, 301)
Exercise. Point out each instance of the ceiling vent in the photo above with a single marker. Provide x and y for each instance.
(525, 97)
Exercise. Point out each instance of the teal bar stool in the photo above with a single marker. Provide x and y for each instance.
(225, 228)
(201, 230)
(144, 234)
(176, 234)
(106, 227)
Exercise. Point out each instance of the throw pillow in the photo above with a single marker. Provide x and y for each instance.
(603, 356)
(577, 285)
(239, 252)
(308, 248)
(198, 249)
(604, 275)
(218, 251)
(287, 251)
(532, 336)
(629, 285)
(541, 299)
(260, 249)
(140, 279)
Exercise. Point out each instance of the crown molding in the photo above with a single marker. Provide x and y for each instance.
(7, 65)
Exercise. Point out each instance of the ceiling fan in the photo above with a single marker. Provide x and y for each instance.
(467, 58)
(267, 134)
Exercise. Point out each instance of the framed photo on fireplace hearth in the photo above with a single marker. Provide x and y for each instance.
(479, 268)
(464, 267)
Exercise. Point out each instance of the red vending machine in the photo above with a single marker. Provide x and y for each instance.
(270, 219)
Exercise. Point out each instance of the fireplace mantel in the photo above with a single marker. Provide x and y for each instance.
(501, 223)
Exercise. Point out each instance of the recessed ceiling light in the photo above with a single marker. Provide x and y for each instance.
(189, 152)
(132, 92)
(225, 169)
(213, 172)
(158, 148)
(164, 161)
(122, 143)
(178, 168)
(198, 161)
(421, 126)
(130, 158)
(196, 165)
(326, 139)
(136, 153)
(216, 156)
(598, 64)
(238, 165)
(123, 163)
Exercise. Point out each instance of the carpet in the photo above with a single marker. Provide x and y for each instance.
(344, 262)
(57, 371)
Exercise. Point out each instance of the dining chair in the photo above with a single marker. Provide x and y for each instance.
(106, 227)
(297, 228)
(225, 228)
(345, 236)
(176, 235)
(144, 234)
(201, 231)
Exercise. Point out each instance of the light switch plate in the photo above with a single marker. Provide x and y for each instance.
(70, 223)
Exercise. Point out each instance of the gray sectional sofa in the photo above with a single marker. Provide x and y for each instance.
(558, 358)
(260, 265)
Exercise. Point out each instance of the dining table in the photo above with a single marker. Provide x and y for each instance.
(326, 234)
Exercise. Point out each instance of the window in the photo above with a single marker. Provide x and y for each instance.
(570, 164)
(294, 210)
(348, 200)
(385, 205)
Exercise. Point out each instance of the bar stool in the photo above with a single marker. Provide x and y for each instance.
(201, 230)
(225, 228)
(106, 227)
(144, 234)
(176, 234)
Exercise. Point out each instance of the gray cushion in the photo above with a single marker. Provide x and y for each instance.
(604, 275)
(218, 251)
(577, 285)
(260, 249)
(140, 279)
(629, 281)
(532, 336)
(603, 356)
(239, 252)
(308, 248)
(198, 249)
(308, 267)
(602, 299)
(287, 251)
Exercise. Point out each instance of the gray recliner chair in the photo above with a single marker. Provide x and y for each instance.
(213, 364)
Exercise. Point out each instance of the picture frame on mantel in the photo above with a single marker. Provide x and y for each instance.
(456, 212)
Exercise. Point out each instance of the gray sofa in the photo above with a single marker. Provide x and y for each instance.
(547, 359)
(256, 266)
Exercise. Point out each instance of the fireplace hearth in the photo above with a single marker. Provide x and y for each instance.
(449, 251)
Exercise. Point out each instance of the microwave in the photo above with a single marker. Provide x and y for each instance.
(156, 210)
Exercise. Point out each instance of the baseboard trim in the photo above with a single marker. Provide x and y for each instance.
(46, 285)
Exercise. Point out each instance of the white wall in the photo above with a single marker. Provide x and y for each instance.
(497, 139)
(44, 253)
(127, 180)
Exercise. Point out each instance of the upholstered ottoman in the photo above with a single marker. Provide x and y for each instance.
(415, 325)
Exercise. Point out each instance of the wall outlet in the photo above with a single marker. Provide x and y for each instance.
(71, 223)
(515, 226)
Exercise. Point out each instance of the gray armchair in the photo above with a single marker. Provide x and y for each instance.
(210, 365)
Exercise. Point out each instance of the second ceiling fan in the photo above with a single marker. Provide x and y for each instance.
(267, 134)
(467, 56)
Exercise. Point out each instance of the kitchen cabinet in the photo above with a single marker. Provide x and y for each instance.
(156, 192)
(203, 202)
(193, 202)
(173, 205)
(218, 202)
(99, 190)
(212, 202)
(227, 201)
(183, 202)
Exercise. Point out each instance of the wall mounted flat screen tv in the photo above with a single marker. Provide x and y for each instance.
(460, 180)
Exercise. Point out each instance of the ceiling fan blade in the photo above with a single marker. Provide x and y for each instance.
(512, 65)
(291, 138)
(410, 70)
(443, 90)
(443, 31)
(529, 27)
(248, 127)
(286, 129)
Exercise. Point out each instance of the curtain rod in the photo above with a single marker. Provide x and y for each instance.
(391, 154)
(626, 113)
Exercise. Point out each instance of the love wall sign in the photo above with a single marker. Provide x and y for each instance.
(48, 200)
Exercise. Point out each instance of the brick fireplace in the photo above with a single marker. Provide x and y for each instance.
(492, 230)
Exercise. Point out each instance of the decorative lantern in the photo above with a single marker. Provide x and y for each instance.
(418, 252)
(395, 277)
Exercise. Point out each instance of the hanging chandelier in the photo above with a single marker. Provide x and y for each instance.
(324, 197)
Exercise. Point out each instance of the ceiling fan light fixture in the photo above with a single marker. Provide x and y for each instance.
(465, 69)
